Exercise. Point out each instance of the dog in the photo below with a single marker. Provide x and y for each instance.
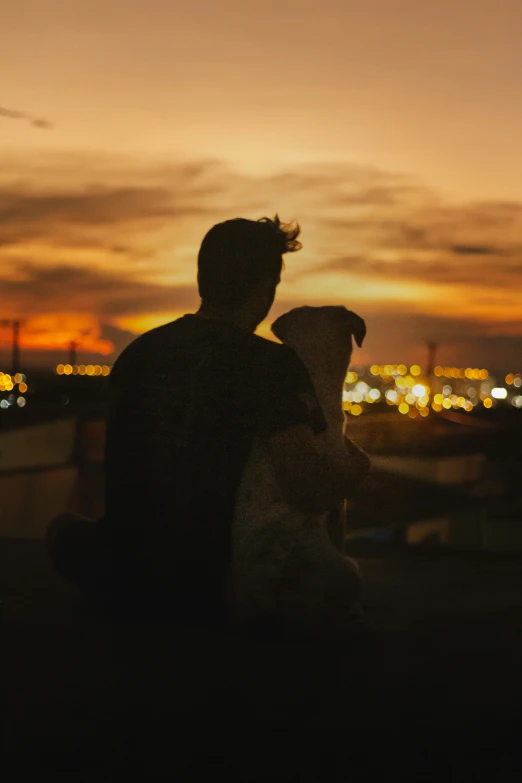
(287, 565)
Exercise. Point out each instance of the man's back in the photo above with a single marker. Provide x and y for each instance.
(185, 401)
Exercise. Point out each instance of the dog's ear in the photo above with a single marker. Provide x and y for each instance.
(357, 326)
(280, 326)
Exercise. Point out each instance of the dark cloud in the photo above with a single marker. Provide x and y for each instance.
(476, 250)
(88, 217)
(37, 122)
(36, 290)
(499, 274)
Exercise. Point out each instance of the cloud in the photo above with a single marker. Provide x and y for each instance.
(37, 122)
(88, 217)
(34, 289)
(116, 239)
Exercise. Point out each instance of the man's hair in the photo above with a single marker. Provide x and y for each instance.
(237, 254)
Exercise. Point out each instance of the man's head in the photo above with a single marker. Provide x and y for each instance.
(240, 263)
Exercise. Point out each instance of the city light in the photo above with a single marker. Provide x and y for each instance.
(97, 369)
(499, 393)
(413, 390)
(419, 390)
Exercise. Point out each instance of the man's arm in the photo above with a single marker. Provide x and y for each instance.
(313, 482)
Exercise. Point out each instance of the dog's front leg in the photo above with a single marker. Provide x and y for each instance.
(336, 525)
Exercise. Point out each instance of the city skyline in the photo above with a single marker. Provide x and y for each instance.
(389, 133)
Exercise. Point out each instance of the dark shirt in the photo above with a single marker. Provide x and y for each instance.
(185, 401)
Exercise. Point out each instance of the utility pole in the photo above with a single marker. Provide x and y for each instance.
(15, 355)
(72, 352)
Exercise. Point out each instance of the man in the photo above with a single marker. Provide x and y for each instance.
(185, 401)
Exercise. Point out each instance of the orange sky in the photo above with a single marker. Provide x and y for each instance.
(389, 129)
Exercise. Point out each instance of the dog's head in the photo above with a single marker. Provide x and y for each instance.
(316, 332)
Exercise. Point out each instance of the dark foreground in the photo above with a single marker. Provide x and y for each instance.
(433, 693)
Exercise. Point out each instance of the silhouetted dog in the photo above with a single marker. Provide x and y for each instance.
(284, 563)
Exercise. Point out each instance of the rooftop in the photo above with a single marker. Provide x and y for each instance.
(430, 694)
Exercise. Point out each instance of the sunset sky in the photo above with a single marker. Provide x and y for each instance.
(389, 129)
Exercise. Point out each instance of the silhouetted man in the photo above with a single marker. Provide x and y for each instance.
(185, 401)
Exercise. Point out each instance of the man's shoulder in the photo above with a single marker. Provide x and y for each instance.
(273, 351)
(149, 344)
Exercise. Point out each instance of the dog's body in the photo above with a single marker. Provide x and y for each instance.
(286, 564)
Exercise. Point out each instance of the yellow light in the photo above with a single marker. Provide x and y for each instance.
(483, 375)
(347, 405)
(510, 378)
(476, 374)
(23, 387)
(404, 408)
(409, 381)
(402, 369)
(446, 404)
(410, 399)
(468, 406)
(374, 394)
(437, 406)
(9, 385)
(75, 369)
(424, 411)
(419, 390)
(413, 413)
(488, 402)
(6, 377)
(18, 377)
(438, 399)
(356, 410)
(59, 369)
(374, 369)
(81, 369)
(97, 369)
(105, 370)
(67, 370)
(438, 371)
(415, 369)
(351, 377)
(468, 372)
(461, 402)
(89, 369)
